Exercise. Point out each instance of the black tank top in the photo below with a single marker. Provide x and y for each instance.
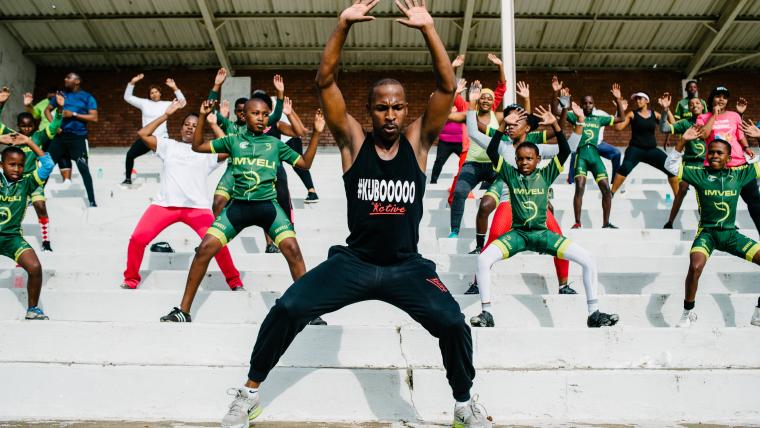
(384, 201)
(642, 130)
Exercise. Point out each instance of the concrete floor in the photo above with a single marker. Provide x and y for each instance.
(171, 424)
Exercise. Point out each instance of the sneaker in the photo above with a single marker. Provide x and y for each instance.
(454, 233)
(93, 204)
(600, 319)
(126, 286)
(161, 247)
(485, 319)
(473, 415)
(243, 409)
(473, 289)
(756, 317)
(35, 313)
(576, 226)
(176, 315)
(477, 250)
(566, 289)
(127, 182)
(668, 225)
(271, 249)
(433, 181)
(46, 246)
(609, 226)
(311, 198)
(687, 319)
(317, 321)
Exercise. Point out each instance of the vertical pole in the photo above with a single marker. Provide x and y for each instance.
(466, 27)
(508, 47)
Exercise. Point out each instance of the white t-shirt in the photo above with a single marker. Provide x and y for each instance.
(183, 175)
(151, 109)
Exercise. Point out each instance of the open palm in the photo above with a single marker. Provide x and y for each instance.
(357, 12)
(417, 16)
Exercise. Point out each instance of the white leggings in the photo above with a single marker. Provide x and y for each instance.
(574, 252)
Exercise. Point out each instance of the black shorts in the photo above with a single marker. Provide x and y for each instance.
(653, 157)
(68, 146)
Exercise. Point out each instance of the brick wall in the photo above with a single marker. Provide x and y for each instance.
(119, 121)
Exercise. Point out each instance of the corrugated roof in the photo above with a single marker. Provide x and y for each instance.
(559, 34)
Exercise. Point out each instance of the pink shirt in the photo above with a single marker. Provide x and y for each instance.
(728, 126)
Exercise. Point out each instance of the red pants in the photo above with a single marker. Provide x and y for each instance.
(154, 220)
(502, 223)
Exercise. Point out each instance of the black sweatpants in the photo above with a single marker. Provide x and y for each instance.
(471, 174)
(412, 286)
(751, 196)
(73, 147)
(296, 144)
(653, 157)
(137, 149)
(442, 155)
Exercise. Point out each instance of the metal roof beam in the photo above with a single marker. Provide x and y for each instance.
(464, 41)
(730, 63)
(219, 49)
(711, 40)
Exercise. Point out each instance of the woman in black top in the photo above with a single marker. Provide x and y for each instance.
(643, 145)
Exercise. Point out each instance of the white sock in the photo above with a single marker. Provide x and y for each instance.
(490, 255)
(486, 306)
(252, 391)
(576, 253)
(592, 307)
(461, 404)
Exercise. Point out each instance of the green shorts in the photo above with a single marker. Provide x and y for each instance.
(541, 241)
(495, 190)
(226, 184)
(587, 160)
(730, 241)
(239, 214)
(12, 246)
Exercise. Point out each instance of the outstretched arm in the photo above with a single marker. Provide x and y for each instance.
(319, 125)
(199, 144)
(146, 133)
(129, 92)
(347, 131)
(423, 132)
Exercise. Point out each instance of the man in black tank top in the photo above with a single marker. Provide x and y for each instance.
(385, 182)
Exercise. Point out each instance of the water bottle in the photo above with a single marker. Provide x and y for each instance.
(668, 200)
(100, 173)
(18, 277)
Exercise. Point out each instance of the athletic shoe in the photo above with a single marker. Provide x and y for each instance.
(128, 287)
(176, 315)
(600, 319)
(46, 246)
(127, 182)
(473, 415)
(477, 250)
(236, 287)
(317, 321)
(243, 409)
(454, 233)
(271, 249)
(756, 317)
(668, 225)
(35, 313)
(566, 289)
(311, 198)
(473, 289)
(485, 319)
(687, 319)
(93, 204)
(576, 226)
(609, 226)
(433, 181)
(161, 247)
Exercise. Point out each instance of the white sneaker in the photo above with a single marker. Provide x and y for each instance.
(473, 415)
(756, 317)
(687, 319)
(243, 409)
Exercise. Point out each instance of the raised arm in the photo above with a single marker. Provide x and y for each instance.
(494, 149)
(319, 125)
(548, 118)
(211, 119)
(146, 133)
(523, 91)
(347, 131)
(177, 93)
(199, 143)
(129, 92)
(621, 118)
(424, 131)
(501, 84)
(295, 128)
(29, 108)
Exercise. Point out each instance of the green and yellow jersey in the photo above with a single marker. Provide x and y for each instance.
(694, 151)
(682, 109)
(238, 127)
(14, 200)
(529, 194)
(254, 160)
(592, 125)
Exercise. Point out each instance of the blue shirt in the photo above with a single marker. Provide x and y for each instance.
(79, 102)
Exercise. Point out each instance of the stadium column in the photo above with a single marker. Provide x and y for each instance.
(508, 47)
(234, 88)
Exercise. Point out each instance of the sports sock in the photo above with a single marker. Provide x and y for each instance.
(44, 228)
(486, 306)
(461, 404)
(480, 239)
(490, 255)
(252, 391)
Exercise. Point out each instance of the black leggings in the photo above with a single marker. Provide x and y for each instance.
(653, 157)
(751, 196)
(412, 286)
(296, 144)
(471, 174)
(67, 146)
(442, 155)
(137, 149)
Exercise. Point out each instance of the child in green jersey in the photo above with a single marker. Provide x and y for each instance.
(16, 187)
(718, 188)
(528, 189)
(255, 157)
